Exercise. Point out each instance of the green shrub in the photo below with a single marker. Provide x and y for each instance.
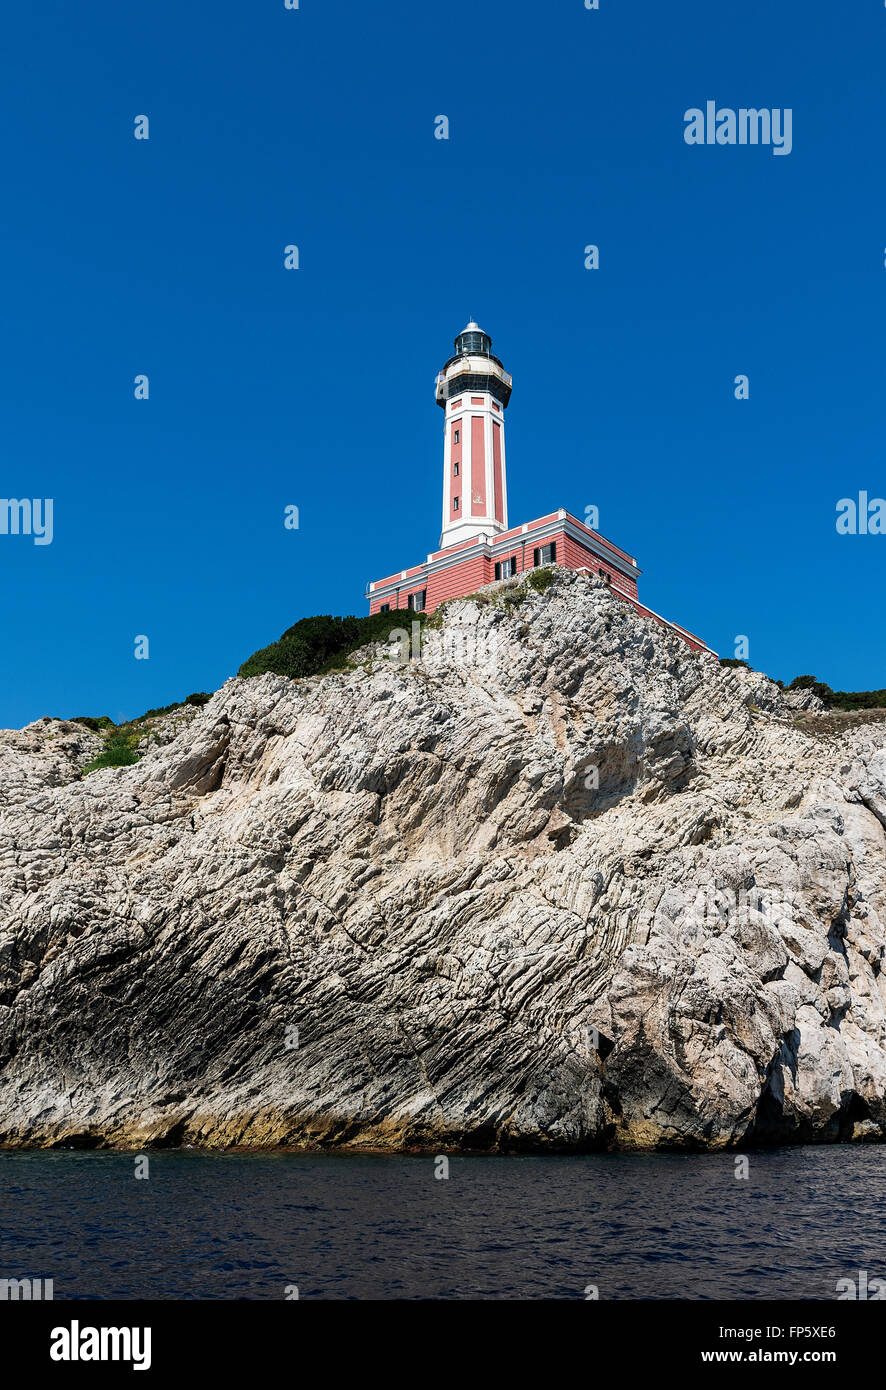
(735, 661)
(818, 688)
(512, 598)
(156, 713)
(857, 699)
(102, 721)
(840, 699)
(313, 646)
(541, 579)
(833, 699)
(201, 697)
(118, 750)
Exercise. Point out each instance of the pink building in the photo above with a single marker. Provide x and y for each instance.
(477, 546)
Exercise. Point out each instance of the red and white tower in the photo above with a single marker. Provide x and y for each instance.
(477, 547)
(473, 389)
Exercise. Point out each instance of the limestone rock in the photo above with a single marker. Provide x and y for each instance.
(557, 883)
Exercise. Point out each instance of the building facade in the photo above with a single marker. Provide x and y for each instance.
(477, 546)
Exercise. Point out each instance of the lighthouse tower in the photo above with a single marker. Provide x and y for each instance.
(477, 547)
(474, 389)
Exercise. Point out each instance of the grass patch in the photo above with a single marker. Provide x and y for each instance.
(118, 750)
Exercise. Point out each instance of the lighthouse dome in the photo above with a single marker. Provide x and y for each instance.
(473, 342)
(473, 367)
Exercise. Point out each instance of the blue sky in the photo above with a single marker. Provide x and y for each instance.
(314, 388)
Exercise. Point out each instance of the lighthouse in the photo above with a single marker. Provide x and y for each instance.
(477, 547)
(473, 389)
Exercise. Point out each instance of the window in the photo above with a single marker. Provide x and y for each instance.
(455, 468)
(545, 554)
(385, 608)
(505, 569)
(455, 504)
(456, 437)
(417, 600)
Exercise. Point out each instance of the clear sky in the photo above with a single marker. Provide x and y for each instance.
(315, 388)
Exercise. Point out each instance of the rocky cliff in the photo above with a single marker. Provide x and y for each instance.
(554, 882)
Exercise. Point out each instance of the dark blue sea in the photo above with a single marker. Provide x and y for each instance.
(206, 1226)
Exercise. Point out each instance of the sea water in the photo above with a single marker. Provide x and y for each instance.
(608, 1226)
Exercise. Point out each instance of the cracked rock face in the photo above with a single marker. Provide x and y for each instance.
(558, 882)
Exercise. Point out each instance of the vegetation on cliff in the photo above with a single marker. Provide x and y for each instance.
(834, 699)
(121, 741)
(313, 646)
(118, 751)
(316, 645)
